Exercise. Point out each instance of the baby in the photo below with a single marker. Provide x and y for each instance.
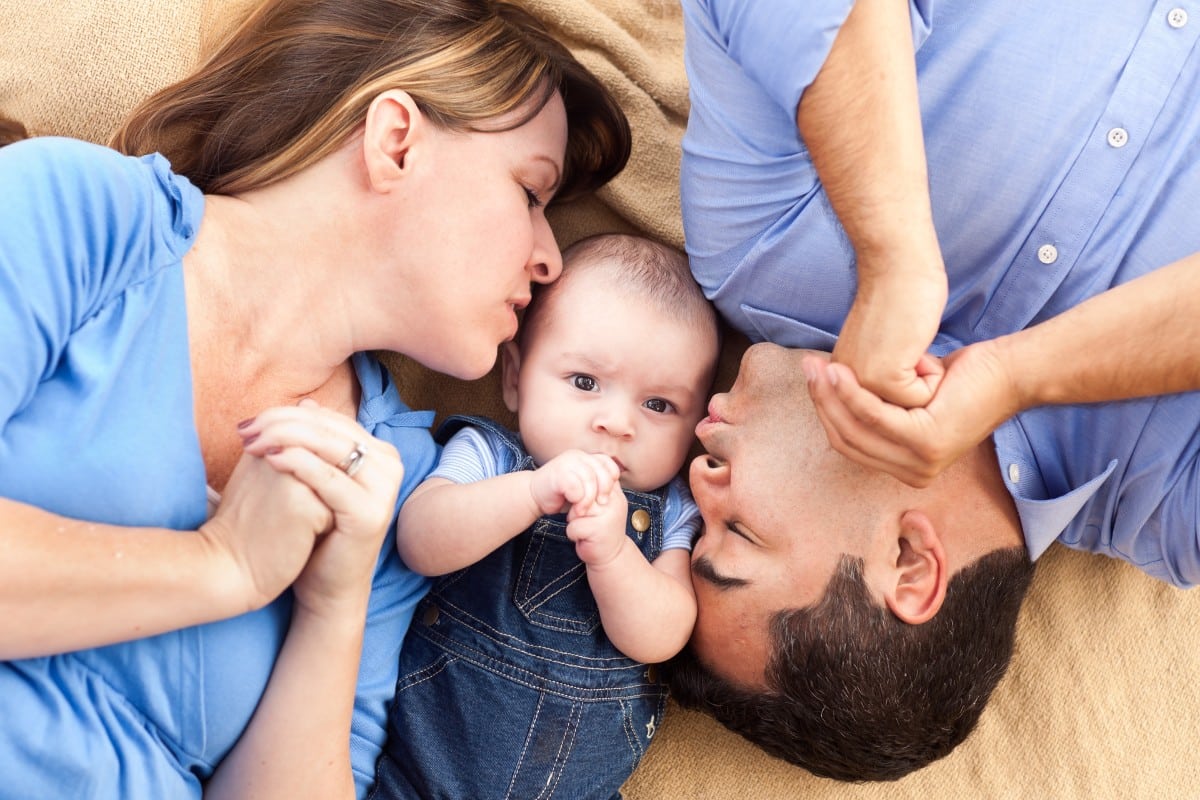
(525, 673)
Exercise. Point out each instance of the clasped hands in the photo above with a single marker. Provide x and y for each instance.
(587, 486)
(888, 404)
(290, 517)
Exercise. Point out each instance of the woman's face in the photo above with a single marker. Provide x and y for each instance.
(478, 237)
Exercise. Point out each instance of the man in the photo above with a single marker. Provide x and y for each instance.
(1045, 260)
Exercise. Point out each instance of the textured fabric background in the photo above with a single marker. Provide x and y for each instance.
(1103, 700)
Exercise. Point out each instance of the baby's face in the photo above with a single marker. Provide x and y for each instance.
(605, 373)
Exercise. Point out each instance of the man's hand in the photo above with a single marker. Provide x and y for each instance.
(884, 340)
(975, 394)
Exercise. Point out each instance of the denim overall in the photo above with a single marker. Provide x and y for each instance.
(508, 686)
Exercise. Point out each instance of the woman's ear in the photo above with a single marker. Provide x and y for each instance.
(917, 586)
(394, 125)
(510, 372)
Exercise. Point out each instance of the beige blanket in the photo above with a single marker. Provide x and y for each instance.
(1103, 700)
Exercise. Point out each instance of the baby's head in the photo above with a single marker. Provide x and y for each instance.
(617, 356)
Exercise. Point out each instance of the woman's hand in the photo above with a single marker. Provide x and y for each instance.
(353, 474)
(268, 522)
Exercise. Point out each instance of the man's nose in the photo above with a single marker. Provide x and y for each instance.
(707, 473)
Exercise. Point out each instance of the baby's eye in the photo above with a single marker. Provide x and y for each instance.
(585, 383)
(658, 405)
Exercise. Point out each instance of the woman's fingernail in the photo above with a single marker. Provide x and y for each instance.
(273, 450)
(249, 439)
(833, 376)
(246, 423)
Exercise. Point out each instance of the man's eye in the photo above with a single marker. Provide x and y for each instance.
(584, 383)
(657, 405)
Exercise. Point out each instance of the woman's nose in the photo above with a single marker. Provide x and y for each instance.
(545, 262)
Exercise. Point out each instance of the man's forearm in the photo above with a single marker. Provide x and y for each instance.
(1138, 339)
(861, 123)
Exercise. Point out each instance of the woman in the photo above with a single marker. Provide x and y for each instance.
(178, 441)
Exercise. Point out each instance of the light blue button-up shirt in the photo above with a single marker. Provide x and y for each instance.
(1063, 141)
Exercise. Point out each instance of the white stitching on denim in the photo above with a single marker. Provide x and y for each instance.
(525, 747)
(545, 684)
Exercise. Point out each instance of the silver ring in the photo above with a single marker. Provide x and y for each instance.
(353, 461)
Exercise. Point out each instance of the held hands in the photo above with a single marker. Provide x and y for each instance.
(316, 447)
(267, 523)
(587, 486)
(976, 392)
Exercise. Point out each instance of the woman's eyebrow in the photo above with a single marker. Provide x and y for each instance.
(702, 568)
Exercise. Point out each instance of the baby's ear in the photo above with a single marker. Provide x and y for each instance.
(510, 371)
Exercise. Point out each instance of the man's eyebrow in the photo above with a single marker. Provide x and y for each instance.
(702, 568)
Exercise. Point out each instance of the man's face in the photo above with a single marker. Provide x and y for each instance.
(769, 495)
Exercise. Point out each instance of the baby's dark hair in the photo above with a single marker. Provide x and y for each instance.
(656, 273)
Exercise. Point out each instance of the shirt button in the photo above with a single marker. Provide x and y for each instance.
(1177, 17)
(1118, 137)
(430, 615)
(1014, 473)
(641, 520)
(1047, 254)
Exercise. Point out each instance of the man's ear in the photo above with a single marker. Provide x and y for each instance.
(394, 124)
(918, 584)
(510, 371)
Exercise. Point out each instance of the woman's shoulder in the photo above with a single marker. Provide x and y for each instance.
(83, 222)
(67, 178)
(44, 157)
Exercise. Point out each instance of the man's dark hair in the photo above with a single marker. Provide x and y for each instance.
(857, 694)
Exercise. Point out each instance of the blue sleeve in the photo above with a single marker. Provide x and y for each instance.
(681, 516)
(1179, 519)
(76, 221)
(782, 44)
(470, 456)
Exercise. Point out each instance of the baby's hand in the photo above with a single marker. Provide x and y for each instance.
(599, 533)
(574, 480)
